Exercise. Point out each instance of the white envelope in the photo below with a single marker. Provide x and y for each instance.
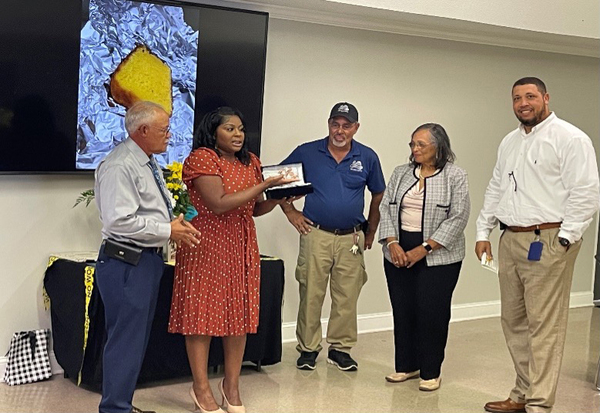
(489, 263)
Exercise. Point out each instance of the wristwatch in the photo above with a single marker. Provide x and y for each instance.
(564, 242)
(427, 247)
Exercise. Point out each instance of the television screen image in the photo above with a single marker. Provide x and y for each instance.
(70, 69)
(132, 51)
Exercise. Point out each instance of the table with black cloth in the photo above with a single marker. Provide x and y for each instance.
(78, 333)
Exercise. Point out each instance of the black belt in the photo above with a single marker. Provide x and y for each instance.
(155, 250)
(336, 231)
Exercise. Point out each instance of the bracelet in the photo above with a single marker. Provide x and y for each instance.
(395, 241)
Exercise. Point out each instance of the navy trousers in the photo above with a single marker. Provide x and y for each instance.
(421, 297)
(129, 294)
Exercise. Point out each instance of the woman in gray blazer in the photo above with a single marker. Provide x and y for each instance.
(424, 212)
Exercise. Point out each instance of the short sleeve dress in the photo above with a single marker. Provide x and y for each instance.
(216, 289)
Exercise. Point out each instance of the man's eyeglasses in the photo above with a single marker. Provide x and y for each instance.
(344, 126)
(418, 145)
(162, 130)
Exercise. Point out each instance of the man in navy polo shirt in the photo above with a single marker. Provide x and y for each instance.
(333, 235)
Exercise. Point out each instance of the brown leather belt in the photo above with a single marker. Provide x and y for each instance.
(347, 231)
(545, 225)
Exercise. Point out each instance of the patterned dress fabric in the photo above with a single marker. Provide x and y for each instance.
(216, 289)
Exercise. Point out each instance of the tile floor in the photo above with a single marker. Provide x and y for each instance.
(477, 369)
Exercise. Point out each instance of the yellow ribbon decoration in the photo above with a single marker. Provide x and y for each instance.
(88, 281)
(45, 295)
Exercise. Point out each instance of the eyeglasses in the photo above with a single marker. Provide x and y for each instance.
(419, 145)
(162, 130)
(344, 126)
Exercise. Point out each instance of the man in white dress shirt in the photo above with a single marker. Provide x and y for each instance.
(544, 192)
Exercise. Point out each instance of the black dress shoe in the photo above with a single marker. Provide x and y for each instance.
(137, 410)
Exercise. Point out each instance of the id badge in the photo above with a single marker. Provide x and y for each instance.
(535, 251)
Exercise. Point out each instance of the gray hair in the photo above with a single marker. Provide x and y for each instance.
(441, 141)
(141, 113)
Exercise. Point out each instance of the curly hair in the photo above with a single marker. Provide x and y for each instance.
(206, 134)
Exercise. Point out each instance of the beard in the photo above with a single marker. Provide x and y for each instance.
(537, 118)
(338, 144)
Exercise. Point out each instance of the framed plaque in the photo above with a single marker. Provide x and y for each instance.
(289, 171)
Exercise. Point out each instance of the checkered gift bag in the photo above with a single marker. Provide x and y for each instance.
(28, 358)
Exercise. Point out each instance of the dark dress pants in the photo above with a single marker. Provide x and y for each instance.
(129, 294)
(421, 297)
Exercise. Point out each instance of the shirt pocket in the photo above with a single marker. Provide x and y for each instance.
(354, 180)
(442, 211)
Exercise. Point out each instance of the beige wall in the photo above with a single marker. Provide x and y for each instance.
(397, 83)
(578, 18)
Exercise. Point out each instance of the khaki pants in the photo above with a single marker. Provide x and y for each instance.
(324, 256)
(535, 307)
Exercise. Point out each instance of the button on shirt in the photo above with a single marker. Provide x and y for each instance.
(338, 199)
(132, 208)
(547, 175)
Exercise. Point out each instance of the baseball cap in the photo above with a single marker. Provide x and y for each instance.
(345, 109)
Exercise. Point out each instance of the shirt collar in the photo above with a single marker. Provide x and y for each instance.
(539, 126)
(136, 151)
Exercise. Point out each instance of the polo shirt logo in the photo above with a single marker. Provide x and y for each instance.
(356, 166)
(343, 108)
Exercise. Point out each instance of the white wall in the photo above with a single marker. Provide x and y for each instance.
(574, 18)
(36, 219)
(397, 82)
(545, 25)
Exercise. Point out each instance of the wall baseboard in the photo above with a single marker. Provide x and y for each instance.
(372, 323)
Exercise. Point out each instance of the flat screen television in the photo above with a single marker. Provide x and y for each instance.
(60, 111)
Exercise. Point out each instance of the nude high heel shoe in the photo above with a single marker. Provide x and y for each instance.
(229, 407)
(197, 404)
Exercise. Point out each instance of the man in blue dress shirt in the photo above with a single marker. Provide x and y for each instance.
(135, 211)
(333, 235)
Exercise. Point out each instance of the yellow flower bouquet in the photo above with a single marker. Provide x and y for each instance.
(177, 189)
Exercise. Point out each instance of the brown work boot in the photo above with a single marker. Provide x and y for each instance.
(505, 406)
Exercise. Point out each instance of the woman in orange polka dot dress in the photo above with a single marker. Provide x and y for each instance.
(216, 286)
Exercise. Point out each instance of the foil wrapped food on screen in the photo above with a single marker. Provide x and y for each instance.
(113, 30)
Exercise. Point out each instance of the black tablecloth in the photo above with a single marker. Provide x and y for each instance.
(70, 284)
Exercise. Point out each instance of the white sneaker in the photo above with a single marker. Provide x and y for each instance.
(400, 377)
(430, 385)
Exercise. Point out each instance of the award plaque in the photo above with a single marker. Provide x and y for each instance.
(290, 171)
